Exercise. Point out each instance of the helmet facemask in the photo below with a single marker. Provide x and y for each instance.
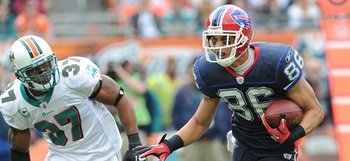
(43, 81)
(232, 39)
(230, 23)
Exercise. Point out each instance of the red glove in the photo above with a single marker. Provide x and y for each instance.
(162, 151)
(279, 134)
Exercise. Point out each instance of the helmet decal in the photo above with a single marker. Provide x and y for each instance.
(36, 45)
(241, 18)
(12, 58)
(217, 16)
(32, 47)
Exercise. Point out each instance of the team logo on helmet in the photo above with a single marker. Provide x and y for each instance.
(240, 18)
(12, 58)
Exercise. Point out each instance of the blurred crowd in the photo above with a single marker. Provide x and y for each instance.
(151, 18)
(20, 17)
(164, 101)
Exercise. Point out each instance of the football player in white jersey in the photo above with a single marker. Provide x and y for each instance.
(65, 100)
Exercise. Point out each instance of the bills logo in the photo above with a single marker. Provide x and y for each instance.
(241, 18)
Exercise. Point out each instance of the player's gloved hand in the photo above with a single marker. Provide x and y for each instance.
(279, 134)
(130, 156)
(282, 133)
(134, 141)
(162, 150)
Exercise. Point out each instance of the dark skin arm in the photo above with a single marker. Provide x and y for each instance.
(108, 95)
(20, 139)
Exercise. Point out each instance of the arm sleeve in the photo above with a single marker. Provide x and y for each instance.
(16, 121)
(86, 78)
(200, 83)
(13, 112)
(290, 69)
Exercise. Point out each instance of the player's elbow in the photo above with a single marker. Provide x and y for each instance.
(201, 123)
(318, 114)
(321, 115)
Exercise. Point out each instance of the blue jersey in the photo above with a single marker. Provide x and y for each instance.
(277, 68)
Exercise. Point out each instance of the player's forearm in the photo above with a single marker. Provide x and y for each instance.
(192, 131)
(20, 142)
(127, 116)
(311, 119)
(303, 94)
(20, 139)
(129, 124)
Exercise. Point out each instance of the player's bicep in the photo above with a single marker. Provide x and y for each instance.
(20, 139)
(107, 91)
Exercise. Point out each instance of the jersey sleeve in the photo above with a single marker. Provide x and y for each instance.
(15, 120)
(200, 83)
(14, 113)
(80, 74)
(290, 69)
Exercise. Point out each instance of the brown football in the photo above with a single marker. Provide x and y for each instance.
(283, 108)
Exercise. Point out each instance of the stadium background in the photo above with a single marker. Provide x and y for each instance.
(108, 31)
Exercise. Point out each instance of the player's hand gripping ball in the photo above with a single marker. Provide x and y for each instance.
(283, 108)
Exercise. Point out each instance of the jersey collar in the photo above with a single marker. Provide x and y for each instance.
(34, 102)
(256, 55)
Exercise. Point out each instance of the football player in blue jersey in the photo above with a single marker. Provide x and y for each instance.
(248, 76)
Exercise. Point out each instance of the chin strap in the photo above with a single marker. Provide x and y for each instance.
(227, 63)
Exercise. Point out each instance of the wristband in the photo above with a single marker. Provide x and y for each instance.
(174, 143)
(134, 140)
(295, 134)
(16, 155)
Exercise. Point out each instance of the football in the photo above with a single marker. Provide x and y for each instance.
(283, 108)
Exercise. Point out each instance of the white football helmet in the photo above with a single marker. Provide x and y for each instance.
(29, 52)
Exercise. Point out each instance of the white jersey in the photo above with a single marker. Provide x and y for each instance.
(74, 126)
